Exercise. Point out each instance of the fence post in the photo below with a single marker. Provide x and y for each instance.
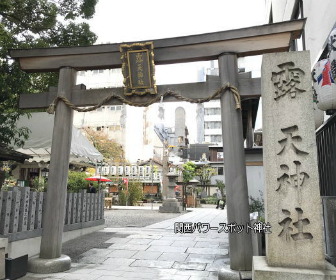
(68, 208)
(99, 207)
(88, 207)
(32, 209)
(14, 218)
(74, 209)
(84, 206)
(102, 197)
(24, 208)
(1, 198)
(95, 208)
(92, 205)
(6, 212)
(39, 210)
(79, 207)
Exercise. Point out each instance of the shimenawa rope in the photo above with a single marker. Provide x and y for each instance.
(222, 90)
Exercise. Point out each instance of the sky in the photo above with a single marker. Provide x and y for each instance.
(117, 21)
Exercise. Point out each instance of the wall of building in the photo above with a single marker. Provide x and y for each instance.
(320, 21)
(254, 173)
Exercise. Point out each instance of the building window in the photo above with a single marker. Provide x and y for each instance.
(99, 109)
(95, 72)
(220, 171)
(118, 108)
(212, 125)
(112, 108)
(99, 128)
(212, 111)
(213, 138)
(101, 71)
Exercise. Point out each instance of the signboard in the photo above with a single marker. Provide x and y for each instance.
(138, 68)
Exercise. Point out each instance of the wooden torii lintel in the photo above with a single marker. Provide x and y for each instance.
(243, 42)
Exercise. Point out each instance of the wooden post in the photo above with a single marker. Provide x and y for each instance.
(54, 212)
(235, 170)
(249, 127)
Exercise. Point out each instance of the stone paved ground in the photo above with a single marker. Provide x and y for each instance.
(151, 252)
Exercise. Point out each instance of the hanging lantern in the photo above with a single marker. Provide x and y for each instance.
(318, 114)
(324, 86)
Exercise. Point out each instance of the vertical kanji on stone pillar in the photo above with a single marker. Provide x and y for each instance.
(14, 218)
(32, 209)
(24, 209)
(5, 212)
(39, 210)
(293, 205)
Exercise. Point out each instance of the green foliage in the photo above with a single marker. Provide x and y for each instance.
(35, 24)
(135, 192)
(122, 197)
(257, 204)
(76, 181)
(209, 200)
(189, 172)
(221, 186)
(40, 184)
(204, 174)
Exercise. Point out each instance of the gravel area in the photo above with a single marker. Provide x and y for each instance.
(135, 218)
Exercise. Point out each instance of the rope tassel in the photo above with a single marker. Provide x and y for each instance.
(228, 87)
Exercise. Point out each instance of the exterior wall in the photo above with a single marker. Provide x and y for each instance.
(255, 180)
(320, 21)
(254, 173)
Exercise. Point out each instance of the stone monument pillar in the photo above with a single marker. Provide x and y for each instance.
(294, 249)
(171, 204)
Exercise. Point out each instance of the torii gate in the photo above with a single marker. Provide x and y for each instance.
(225, 46)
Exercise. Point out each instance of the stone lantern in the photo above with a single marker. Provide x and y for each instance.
(171, 204)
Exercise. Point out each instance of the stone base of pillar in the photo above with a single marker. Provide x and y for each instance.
(45, 266)
(171, 205)
(262, 271)
(229, 274)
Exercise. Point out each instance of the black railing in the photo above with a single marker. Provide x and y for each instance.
(326, 153)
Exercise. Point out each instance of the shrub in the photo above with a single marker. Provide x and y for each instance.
(135, 192)
(257, 204)
(39, 184)
(76, 181)
(122, 197)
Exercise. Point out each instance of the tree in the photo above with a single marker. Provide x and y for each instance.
(110, 149)
(35, 24)
(188, 172)
(205, 173)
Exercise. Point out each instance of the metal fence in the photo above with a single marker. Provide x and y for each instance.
(21, 212)
(326, 151)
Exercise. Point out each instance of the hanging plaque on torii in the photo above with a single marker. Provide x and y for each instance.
(138, 68)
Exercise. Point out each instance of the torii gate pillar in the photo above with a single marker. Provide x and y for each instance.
(51, 259)
(235, 169)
